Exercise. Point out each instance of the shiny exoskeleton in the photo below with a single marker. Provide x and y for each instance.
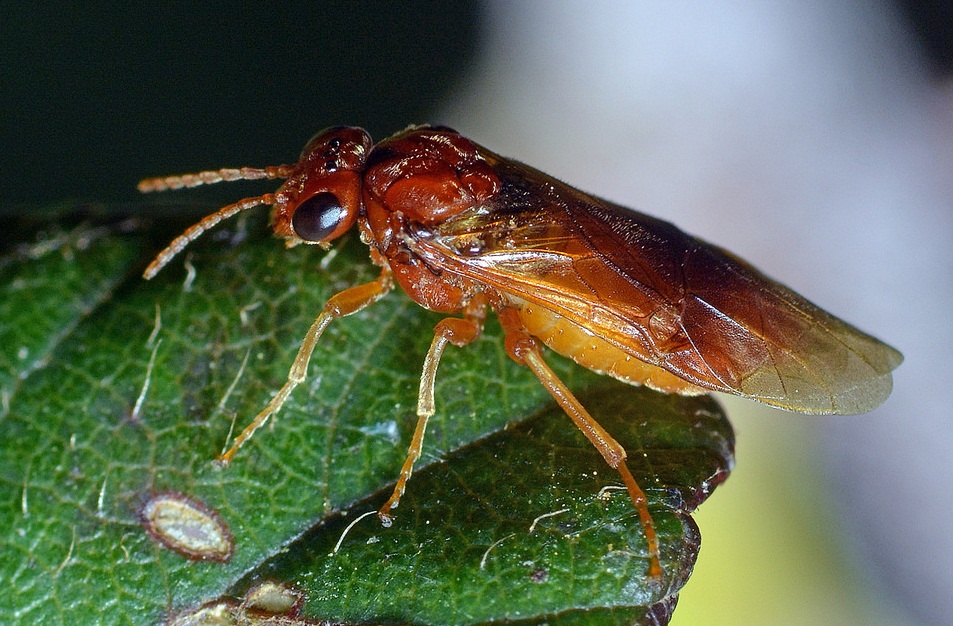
(461, 230)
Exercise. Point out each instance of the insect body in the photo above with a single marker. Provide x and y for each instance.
(462, 229)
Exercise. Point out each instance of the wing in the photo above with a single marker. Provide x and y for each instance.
(661, 295)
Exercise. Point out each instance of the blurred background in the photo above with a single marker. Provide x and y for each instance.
(814, 138)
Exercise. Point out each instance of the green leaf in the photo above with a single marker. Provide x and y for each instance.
(116, 389)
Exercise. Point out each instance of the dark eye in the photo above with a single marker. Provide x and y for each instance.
(317, 217)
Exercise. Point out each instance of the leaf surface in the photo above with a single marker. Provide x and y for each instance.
(116, 389)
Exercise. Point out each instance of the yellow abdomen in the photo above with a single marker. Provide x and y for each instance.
(595, 353)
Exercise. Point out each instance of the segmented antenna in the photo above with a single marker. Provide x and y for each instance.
(167, 183)
(214, 176)
(193, 232)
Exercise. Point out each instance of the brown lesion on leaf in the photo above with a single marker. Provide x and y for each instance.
(187, 526)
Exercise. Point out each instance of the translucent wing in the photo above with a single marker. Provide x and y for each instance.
(661, 295)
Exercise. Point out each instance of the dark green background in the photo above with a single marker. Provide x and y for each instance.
(98, 95)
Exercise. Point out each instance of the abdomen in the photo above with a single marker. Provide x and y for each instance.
(596, 354)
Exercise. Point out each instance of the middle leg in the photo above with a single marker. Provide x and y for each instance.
(459, 332)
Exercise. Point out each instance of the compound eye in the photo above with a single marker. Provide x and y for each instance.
(317, 217)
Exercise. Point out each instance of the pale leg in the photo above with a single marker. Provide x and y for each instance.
(459, 332)
(340, 305)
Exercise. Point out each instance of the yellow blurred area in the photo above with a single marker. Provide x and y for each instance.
(772, 550)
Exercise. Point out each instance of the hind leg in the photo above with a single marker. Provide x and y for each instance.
(525, 350)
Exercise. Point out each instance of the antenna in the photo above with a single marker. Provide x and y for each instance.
(209, 177)
(192, 232)
(214, 176)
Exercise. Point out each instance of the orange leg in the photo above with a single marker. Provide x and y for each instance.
(340, 305)
(192, 232)
(524, 349)
(459, 332)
